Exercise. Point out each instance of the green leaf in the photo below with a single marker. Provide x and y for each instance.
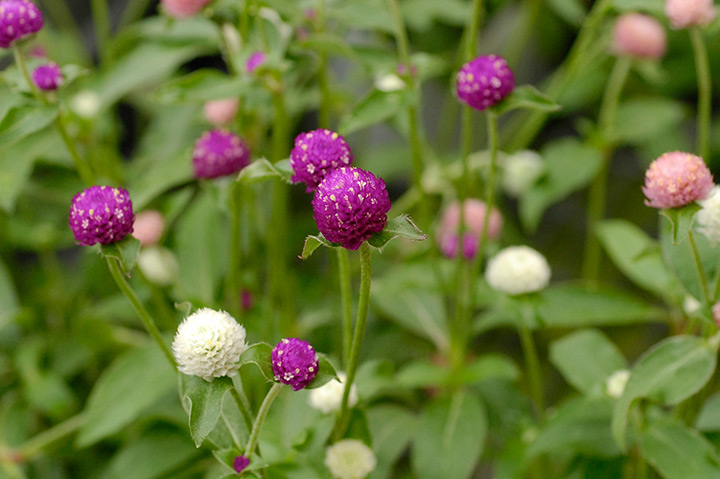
(391, 428)
(376, 107)
(261, 170)
(400, 227)
(260, 355)
(24, 120)
(327, 43)
(125, 251)
(586, 359)
(201, 86)
(450, 437)
(132, 383)
(638, 256)
(314, 242)
(326, 372)
(569, 166)
(677, 452)
(526, 97)
(669, 372)
(572, 11)
(424, 373)
(203, 402)
(681, 221)
(651, 6)
(640, 120)
(9, 305)
(709, 417)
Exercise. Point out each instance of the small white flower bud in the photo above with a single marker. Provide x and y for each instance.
(328, 398)
(86, 104)
(350, 459)
(708, 218)
(615, 384)
(389, 82)
(521, 171)
(159, 265)
(518, 270)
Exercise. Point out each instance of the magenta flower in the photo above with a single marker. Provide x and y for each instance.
(639, 36)
(184, 8)
(485, 81)
(18, 19)
(101, 214)
(255, 61)
(219, 153)
(48, 77)
(294, 363)
(240, 463)
(690, 13)
(315, 153)
(350, 205)
(676, 179)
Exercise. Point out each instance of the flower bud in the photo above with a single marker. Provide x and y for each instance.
(520, 171)
(615, 384)
(149, 227)
(255, 61)
(485, 82)
(159, 265)
(639, 36)
(518, 270)
(221, 112)
(48, 77)
(350, 459)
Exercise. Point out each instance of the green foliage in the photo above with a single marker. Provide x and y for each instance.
(203, 402)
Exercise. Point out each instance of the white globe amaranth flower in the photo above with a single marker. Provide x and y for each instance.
(389, 82)
(615, 384)
(159, 265)
(520, 171)
(518, 270)
(708, 218)
(328, 398)
(691, 305)
(350, 459)
(86, 104)
(208, 344)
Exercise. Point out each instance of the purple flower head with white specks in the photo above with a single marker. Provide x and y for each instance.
(485, 81)
(219, 153)
(315, 153)
(240, 463)
(18, 19)
(294, 363)
(48, 77)
(350, 205)
(255, 61)
(101, 214)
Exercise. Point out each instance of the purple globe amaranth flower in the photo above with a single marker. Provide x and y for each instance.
(18, 19)
(350, 205)
(240, 463)
(315, 153)
(48, 77)
(485, 81)
(255, 61)
(219, 153)
(294, 362)
(676, 179)
(101, 214)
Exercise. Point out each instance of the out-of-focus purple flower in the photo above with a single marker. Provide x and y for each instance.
(485, 81)
(48, 77)
(219, 153)
(350, 205)
(240, 463)
(101, 214)
(315, 153)
(255, 61)
(676, 179)
(18, 19)
(294, 362)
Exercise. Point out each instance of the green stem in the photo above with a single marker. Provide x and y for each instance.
(133, 12)
(83, 168)
(598, 188)
(358, 338)
(50, 436)
(245, 21)
(22, 66)
(346, 298)
(241, 401)
(473, 30)
(260, 419)
(101, 19)
(492, 132)
(145, 317)
(233, 296)
(323, 83)
(521, 34)
(699, 267)
(532, 363)
(716, 288)
(702, 67)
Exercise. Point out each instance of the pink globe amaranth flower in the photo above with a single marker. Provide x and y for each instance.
(350, 205)
(640, 36)
(240, 463)
(475, 211)
(315, 153)
(255, 61)
(294, 363)
(184, 8)
(690, 13)
(219, 153)
(18, 19)
(676, 179)
(716, 314)
(221, 112)
(149, 227)
(485, 81)
(101, 214)
(38, 51)
(48, 77)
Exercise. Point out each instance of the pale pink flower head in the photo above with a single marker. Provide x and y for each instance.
(184, 8)
(221, 112)
(676, 179)
(690, 13)
(716, 313)
(475, 211)
(149, 227)
(639, 36)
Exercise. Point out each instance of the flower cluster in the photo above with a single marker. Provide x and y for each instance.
(518, 270)
(315, 153)
(485, 82)
(676, 179)
(18, 19)
(219, 153)
(294, 362)
(101, 214)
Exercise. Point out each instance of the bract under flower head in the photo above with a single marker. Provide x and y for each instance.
(475, 211)
(350, 459)
(639, 36)
(208, 344)
(485, 81)
(101, 214)
(219, 153)
(676, 179)
(18, 19)
(294, 363)
(518, 270)
(690, 13)
(184, 8)
(350, 205)
(48, 77)
(315, 153)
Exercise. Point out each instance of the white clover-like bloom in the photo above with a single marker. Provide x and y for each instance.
(615, 384)
(350, 459)
(159, 265)
(691, 305)
(328, 397)
(86, 104)
(521, 171)
(708, 218)
(208, 344)
(518, 270)
(389, 82)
